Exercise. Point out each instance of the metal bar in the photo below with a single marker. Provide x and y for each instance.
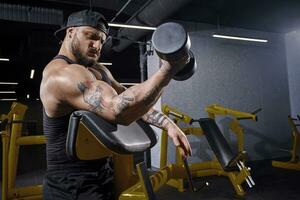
(121, 10)
(5, 140)
(13, 154)
(31, 140)
(189, 175)
(27, 192)
(176, 114)
(145, 181)
(163, 149)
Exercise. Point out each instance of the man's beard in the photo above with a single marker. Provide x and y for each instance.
(81, 59)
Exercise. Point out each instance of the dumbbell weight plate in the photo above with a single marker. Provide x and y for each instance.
(170, 41)
(188, 70)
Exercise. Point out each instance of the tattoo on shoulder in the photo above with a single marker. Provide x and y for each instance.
(92, 96)
(156, 118)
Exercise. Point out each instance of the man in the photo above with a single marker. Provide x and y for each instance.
(75, 80)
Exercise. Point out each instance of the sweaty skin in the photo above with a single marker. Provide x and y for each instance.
(66, 87)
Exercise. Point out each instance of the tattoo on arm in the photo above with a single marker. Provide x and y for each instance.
(92, 97)
(151, 96)
(156, 118)
(123, 102)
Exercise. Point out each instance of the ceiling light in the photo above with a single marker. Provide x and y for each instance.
(132, 26)
(4, 59)
(28, 96)
(8, 83)
(8, 99)
(129, 84)
(239, 38)
(103, 63)
(31, 74)
(7, 92)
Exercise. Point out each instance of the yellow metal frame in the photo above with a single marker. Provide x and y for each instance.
(12, 139)
(128, 181)
(207, 168)
(158, 179)
(294, 162)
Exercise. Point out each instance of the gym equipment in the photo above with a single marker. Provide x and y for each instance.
(227, 163)
(214, 109)
(12, 139)
(90, 137)
(294, 162)
(172, 43)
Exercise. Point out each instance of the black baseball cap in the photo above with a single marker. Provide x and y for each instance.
(83, 18)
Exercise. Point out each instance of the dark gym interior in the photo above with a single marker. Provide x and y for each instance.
(250, 85)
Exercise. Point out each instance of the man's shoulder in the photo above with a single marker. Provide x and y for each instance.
(53, 67)
(57, 68)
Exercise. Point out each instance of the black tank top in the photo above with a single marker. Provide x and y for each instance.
(68, 60)
(55, 130)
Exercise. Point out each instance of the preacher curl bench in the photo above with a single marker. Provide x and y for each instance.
(90, 137)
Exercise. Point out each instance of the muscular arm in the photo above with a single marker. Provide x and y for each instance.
(94, 95)
(153, 116)
(78, 88)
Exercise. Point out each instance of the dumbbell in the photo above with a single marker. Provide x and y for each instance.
(172, 43)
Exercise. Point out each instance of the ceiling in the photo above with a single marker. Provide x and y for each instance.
(31, 45)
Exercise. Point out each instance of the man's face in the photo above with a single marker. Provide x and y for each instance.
(86, 44)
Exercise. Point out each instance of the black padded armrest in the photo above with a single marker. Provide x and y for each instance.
(137, 137)
(217, 142)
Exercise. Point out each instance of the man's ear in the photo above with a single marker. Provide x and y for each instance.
(70, 32)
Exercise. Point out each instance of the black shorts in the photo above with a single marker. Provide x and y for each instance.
(82, 183)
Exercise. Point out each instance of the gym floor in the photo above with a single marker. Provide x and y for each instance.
(271, 184)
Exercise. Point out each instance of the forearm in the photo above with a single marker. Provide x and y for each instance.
(137, 100)
(157, 119)
(160, 120)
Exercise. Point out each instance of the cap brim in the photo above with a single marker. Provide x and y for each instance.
(60, 33)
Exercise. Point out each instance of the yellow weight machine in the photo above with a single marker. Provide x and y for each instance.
(12, 139)
(92, 138)
(294, 162)
(208, 168)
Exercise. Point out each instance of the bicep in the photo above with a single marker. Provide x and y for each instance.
(118, 87)
(97, 97)
(92, 95)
